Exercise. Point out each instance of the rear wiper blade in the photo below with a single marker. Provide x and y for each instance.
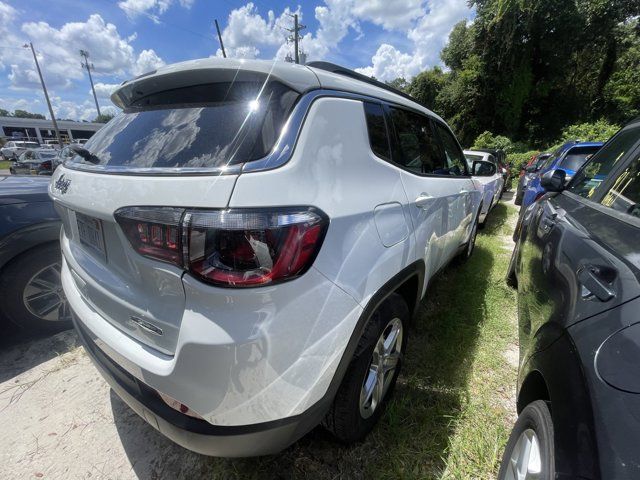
(86, 154)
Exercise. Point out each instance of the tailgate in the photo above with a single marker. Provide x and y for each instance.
(141, 296)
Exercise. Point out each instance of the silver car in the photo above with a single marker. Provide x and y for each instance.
(13, 149)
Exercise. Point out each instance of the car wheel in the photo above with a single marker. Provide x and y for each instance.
(471, 244)
(529, 453)
(32, 291)
(372, 373)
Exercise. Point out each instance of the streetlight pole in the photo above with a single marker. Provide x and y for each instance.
(89, 66)
(46, 95)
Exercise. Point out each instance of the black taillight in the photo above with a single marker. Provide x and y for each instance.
(230, 248)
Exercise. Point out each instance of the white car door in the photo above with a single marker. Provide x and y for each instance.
(433, 194)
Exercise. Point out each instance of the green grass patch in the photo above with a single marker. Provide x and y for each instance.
(4, 164)
(450, 413)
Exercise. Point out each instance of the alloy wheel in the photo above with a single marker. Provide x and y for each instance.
(382, 368)
(43, 295)
(525, 462)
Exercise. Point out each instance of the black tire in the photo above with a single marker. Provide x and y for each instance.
(15, 279)
(535, 417)
(518, 199)
(465, 254)
(344, 419)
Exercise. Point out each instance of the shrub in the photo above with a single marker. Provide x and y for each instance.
(489, 140)
(519, 160)
(599, 131)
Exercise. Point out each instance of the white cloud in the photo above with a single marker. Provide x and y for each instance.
(104, 90)
(147, 61)
(428, 36)
(247, 31)
(390, 14)
(152, 9)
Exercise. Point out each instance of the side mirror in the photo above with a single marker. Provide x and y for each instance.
(480, 168)
(553, 180)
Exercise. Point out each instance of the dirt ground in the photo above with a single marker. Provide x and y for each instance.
(60, 420)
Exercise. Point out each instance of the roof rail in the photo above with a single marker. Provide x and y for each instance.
(337, 69)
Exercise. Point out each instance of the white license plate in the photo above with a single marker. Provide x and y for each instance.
(90, 231)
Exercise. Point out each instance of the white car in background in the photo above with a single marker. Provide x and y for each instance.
(14, 148)
(245, 244)
(491, 179)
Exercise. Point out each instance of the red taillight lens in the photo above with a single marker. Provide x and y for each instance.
(153, 232)
(46, 165)
(230, 248)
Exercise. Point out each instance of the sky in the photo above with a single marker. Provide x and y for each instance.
(125, 38)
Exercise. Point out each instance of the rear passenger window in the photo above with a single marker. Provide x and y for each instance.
(624, 194)
(456, 164)
(377, 129)
(417, 146)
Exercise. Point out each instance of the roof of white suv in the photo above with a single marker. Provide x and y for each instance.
(298, 77)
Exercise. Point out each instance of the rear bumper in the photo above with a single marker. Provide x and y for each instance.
(195, 434)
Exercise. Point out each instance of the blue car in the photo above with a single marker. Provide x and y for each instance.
(569, 157)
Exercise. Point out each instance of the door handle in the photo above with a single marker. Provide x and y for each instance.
(592, 285)
(422, 200)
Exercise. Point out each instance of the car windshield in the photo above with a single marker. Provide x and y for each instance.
(472, 158)
(209, 125)
(45, 155)
(576, 157)
(27, 144)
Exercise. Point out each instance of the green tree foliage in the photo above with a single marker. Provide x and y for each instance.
(399, 83)
(103, 118)
(599, 131)
(4, 113)
(489, 140)
(25, 114)
(528, 69)
(426, 86)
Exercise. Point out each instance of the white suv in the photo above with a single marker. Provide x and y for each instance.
(245, 245)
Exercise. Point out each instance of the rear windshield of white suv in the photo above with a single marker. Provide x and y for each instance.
(202, 126)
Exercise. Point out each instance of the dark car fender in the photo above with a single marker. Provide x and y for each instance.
(26, 238)
(555, 374)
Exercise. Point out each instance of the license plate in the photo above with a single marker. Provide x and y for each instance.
(90, 231)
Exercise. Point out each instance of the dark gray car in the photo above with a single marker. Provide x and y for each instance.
(30, 259)
(577, 268)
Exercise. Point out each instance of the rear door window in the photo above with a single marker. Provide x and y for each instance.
(377, 129)
(417, 147)
(203, 126)
(456, 164)
(623, 194)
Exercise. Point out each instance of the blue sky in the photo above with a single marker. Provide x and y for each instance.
(384, 38)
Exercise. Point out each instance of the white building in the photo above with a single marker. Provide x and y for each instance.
(40, 130)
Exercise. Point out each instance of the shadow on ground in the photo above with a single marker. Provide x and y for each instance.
(413, 436)
(21, 350)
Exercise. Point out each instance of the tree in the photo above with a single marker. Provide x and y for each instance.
(426, 86)
(103, 118)
(25, 114)
(399, 83)
(4, 113)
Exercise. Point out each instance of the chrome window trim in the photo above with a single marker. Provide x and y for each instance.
(279, 155)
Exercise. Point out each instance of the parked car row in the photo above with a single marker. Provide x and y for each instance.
(41, 161)
(577, 270)
(13, 149)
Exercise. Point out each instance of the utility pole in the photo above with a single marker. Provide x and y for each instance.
(89, 67)
(46, 95)
(224, 54)
(296, 34)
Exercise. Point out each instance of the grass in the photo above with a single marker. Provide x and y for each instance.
(451, 413)
(4, 164)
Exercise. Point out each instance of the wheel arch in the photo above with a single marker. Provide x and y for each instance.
(533, 388)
